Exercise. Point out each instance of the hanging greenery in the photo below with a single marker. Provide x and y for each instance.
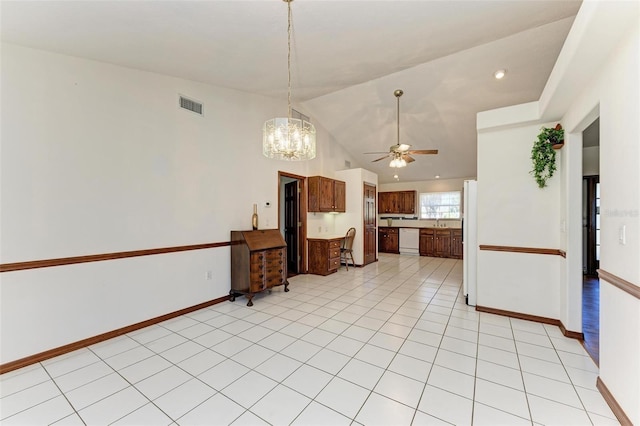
(543, 153)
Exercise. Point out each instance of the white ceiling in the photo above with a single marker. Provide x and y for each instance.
(349, 56)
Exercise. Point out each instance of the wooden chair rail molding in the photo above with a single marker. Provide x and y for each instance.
(622, 284)
(47, 263)
(531, 250)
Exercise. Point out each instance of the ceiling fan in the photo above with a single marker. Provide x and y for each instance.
(400, 153)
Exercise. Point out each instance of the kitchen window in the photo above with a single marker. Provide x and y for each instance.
(440, 205)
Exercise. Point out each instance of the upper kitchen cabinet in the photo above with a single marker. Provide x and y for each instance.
(326, 195)
(397, 202)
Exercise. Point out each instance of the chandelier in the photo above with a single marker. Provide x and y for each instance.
(287, 138)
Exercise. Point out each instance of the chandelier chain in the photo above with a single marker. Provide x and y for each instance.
(289, 57)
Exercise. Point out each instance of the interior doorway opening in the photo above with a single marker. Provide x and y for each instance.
(591, 239)
(292, 214)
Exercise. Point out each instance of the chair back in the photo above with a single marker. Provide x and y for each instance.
(348, 239)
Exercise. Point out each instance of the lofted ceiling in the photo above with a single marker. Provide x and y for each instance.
(348, 58)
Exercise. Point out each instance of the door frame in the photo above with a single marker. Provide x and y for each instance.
(302, 211)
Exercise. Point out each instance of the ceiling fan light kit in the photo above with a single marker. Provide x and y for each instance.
(400, 152)
(286, 138)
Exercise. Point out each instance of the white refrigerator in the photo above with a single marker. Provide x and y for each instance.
(470, 241)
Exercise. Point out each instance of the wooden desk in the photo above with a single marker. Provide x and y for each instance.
(324, 254)
(258, 262)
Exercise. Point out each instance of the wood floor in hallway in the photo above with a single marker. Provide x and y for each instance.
(591, 316)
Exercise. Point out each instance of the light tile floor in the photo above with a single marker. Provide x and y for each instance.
(389, 344)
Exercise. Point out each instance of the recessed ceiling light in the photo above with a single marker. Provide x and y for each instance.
(437, 176)
(500, 74)
(395, 176)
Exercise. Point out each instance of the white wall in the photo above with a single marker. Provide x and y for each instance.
(98, 159)
(513, 211)
(619, 100)
(596, 75)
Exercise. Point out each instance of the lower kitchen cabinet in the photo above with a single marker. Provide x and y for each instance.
(427, 239)
(388, 241)
(324, 255)
(437, 242)
(443, 243)
(456, 243)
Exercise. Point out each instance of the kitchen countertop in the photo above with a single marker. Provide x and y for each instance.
(419, 227)
(325, 237)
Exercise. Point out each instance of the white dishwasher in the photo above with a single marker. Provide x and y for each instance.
(409, 241)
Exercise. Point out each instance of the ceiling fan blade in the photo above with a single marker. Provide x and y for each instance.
(423, 151)
(377, 152)
(408, 158)
(381, 158)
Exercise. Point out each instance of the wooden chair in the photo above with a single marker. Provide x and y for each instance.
(346, 250)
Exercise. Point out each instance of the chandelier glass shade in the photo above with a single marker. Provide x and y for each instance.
(287, 138)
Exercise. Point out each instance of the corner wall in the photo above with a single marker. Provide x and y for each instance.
(96, 159)
(597, 74)
(514, 212)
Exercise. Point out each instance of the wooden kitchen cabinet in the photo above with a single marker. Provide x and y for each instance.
(456, 243)
(258, 262)
(407, 202)
(324, 255)
(442, 243)
(427, 240)
(397, 202)
(388, 202)
(388, 240)
(326, 195)
(438, 242)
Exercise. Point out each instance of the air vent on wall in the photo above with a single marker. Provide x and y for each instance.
(190, 105)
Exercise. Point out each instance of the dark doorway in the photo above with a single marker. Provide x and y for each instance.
(291, 223)
(291, 217)
(591, 222)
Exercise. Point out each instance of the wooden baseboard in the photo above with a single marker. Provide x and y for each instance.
(572, 334)
(535, 318)
(613, 404)
(42, 356)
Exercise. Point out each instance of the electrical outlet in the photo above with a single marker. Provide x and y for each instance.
(209, 275)
(319, 229)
